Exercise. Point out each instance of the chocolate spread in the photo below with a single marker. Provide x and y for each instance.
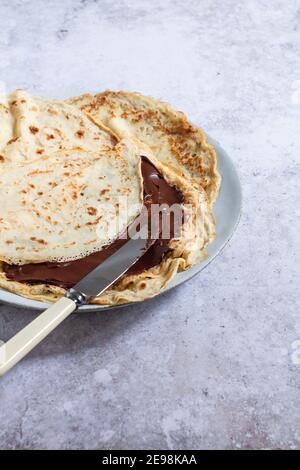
(67, 274)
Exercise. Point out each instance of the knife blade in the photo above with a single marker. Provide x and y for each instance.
(109, 271)
(92, 285)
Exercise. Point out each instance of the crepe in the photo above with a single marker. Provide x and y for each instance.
(44, 216)
(34, 127)
(61, 207)
(185, 251)
(168, 133)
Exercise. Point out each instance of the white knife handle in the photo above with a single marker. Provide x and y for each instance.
(24, 341)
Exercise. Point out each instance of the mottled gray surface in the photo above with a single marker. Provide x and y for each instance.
(213, 364)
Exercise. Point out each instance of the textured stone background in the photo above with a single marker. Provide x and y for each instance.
(211, 364)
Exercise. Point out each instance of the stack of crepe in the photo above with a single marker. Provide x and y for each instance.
(64, 166)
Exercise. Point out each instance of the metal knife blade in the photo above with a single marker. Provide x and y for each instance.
(98, 280)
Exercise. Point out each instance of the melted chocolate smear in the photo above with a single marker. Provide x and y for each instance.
(67, 274)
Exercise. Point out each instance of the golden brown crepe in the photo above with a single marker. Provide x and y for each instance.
(117, 128)
(168, 133)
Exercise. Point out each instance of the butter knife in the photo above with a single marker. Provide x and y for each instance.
(92, 285)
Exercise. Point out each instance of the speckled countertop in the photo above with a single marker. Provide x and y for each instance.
(214, 363)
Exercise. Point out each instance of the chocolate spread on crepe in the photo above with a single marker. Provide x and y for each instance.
(67, 274)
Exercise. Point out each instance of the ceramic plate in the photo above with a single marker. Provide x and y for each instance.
(227, 212)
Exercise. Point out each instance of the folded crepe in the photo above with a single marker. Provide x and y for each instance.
(35, 127)
(168, 133)
(64, 167)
